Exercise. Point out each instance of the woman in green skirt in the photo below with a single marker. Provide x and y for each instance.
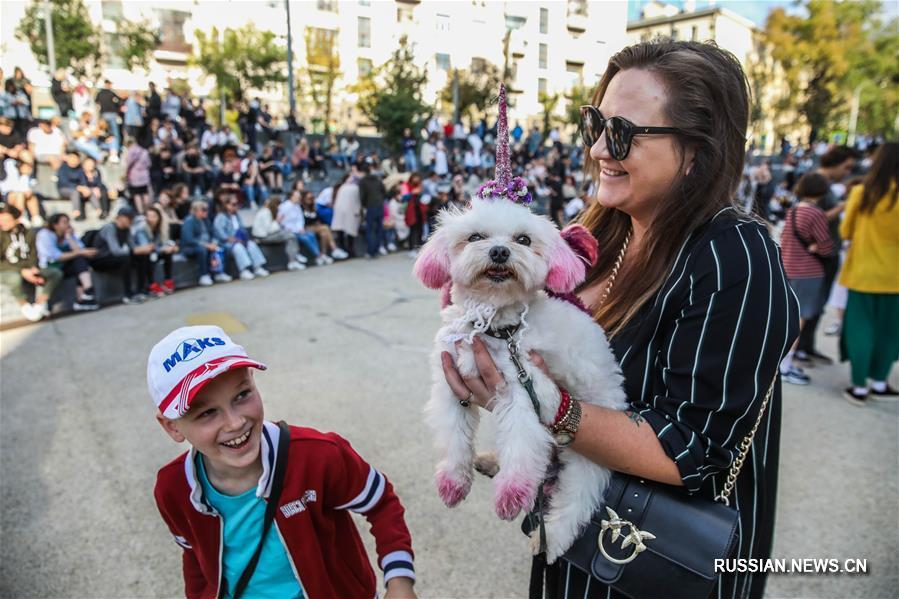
(870, 339)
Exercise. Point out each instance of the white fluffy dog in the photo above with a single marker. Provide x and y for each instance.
(499, 258)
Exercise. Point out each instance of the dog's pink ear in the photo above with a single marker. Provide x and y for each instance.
(432, 265)
(566, 269)
(582, 242)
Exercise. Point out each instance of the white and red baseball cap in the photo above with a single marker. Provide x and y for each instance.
(188, 358)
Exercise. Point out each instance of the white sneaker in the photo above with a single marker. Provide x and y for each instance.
(294, 265)
(45, 310)
(391, 247)
(302, 259)
(246, 275)
(205, 281)
(339, 254)
(114, 158)
(223, 278)
(328, 259)
(382, 250)
(320, 260)
(31, 312)
(261, 272)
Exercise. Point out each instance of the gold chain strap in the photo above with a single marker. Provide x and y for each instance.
(614, 275)
(724, 496)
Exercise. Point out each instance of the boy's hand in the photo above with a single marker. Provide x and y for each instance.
(400, 587)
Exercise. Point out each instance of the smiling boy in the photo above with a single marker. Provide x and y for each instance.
(213, 497)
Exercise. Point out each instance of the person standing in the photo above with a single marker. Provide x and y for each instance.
(691, 293)
(110, 106)
(134, 114)
(409, 145)
(836, 164)
(870, 338)
(806, 245)
(372, 194)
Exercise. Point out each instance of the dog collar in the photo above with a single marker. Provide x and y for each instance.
(504, 333)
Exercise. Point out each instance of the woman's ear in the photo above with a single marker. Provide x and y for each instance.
(566, 269)
(432, 265)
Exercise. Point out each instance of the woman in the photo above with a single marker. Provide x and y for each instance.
(416, 211)
(870, 338)
(315, 224)
(268, 166)
(93, 181)
(347, 214)
(137, 174)
(806, 242)
(58, 247)
(267, 229)
(153, 229)
(698, 342)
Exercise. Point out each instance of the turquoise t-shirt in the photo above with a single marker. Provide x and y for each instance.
(243, 515)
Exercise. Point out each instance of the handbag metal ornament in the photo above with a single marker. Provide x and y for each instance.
(635, 538)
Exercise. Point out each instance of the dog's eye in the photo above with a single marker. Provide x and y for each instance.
(523, 240)
(475, 237)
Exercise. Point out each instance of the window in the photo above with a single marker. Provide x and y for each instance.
(322, 43)
(364, 2)
(364, 32)
(171, 30)
(577, 7)
(404, 14)
(574, 72)
(112, 9)
(695, 35)
(365, 67)
(544, 20)
(541, 57)
(541, 87)
(443, 23)
(327, 5)
(674, 32)
(443, 62)
(113, 47)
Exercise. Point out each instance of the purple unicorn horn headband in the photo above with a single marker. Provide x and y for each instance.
(504, 186)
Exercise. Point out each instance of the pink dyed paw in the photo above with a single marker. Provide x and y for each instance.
(451, 490)
(512, 497)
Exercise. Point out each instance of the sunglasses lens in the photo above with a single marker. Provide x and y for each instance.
(618, 137)
(591, 126)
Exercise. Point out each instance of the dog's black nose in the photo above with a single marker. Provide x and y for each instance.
(499, 254)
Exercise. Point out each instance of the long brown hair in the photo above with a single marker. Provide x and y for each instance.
(882, 178)
(708, 100)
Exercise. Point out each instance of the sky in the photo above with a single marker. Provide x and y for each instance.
(754, 10)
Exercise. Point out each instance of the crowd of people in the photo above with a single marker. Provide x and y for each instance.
(188, 186)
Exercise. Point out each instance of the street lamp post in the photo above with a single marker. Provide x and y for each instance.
(853, 112)
(290, 89)
(51, 46)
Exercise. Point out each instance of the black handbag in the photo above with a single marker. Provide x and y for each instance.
(654, 540)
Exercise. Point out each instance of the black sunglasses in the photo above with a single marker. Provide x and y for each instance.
(619, 131)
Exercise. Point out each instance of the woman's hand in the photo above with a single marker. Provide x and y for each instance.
(480, 389)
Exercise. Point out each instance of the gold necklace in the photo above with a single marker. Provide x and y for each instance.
(615, 268)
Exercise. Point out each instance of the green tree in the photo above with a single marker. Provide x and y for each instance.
(137, 40)
(322, 69)
(478, 89)
(391, 96)
(819, 53)
(549, 103)
(579, 95)
(76, 40)
(240, 59)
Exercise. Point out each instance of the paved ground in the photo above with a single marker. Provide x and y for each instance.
(347, 348)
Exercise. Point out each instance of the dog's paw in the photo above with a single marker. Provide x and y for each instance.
(512, 497)
(452, 490)
(486, 464)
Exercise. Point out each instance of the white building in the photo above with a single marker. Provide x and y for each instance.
(552, 43)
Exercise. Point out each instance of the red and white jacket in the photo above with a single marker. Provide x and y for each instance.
(325, 480)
